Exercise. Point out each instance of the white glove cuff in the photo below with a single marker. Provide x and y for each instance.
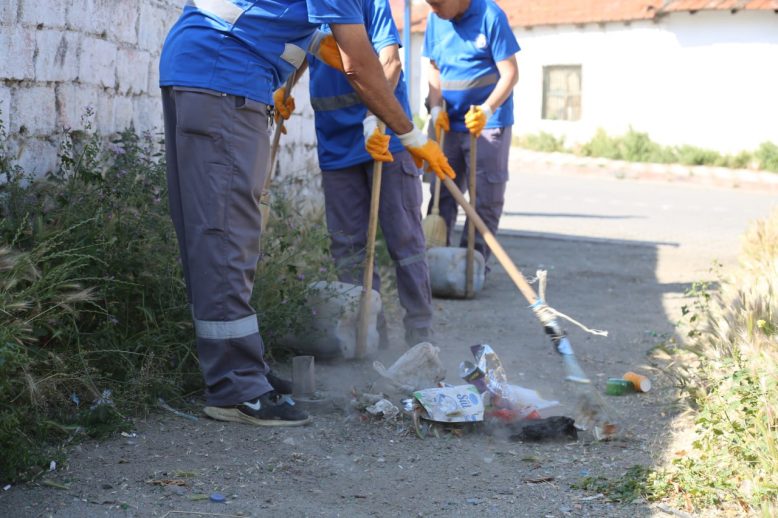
(369, 125)
(487, 111)
(313, 46)
(435, 113)
(414, 138)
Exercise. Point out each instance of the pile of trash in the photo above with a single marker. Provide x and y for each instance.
(486, 396)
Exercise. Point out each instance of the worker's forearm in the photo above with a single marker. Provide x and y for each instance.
(391, 64)
(502, 90)
(366, 76)
(435, 95)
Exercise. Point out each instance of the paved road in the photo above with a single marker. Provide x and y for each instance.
(692, 224)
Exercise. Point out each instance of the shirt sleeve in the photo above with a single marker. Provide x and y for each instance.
(428, 49)
(335, 11)
(502, 42)
(381, 28)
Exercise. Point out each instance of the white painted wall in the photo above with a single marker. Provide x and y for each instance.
(59, 56)
(709, 79)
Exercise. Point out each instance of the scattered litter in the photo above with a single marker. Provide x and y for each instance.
(125, 434)
(217, 498)
(618, 387)
(385, 408)
(459, 404)
(506, 402)
(198, 496)
(590, 498)
(473, 501)
(53, 465)
(172, 410)
(417, 368)
(6, 487)
(550, 429)
(639, 382)
(55, 485)
(167, 482)
(75, 399)
(538, 480)
(104, 399)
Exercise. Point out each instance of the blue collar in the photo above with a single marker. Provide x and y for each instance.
(476, 7)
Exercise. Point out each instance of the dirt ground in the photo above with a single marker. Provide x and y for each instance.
(346, 465)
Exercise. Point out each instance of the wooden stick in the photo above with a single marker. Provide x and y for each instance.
(367, 279)
(469, 265)
(264, 198)
(436, 192)
(499, 252)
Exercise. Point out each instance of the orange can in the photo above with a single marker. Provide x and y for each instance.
(640, 382)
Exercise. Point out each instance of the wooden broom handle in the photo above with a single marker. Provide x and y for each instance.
(469, 265)
(367, 278)
(499, 252)
(436, 192)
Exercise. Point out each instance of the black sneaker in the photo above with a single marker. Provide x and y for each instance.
(280, 385)
(271, 409)
(416, 335)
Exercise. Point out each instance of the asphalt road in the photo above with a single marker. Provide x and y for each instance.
(688, 223)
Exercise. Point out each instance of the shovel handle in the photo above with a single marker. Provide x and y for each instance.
(264, 197)
(367, 279)
(499, 252)
(436, 192)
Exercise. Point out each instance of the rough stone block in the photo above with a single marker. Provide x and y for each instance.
(34, 112)
(153, 86)
(9, 12)
(57, 56)
(37, 156)
(98, 62)
(147, 114)
(124, 14)
(18, 49)
(132, 72)
(73, 100)
(6, 106)
(49, 14)
(96, 23)
(122, 113)
(153, 26)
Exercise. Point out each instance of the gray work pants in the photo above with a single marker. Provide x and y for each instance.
(347, 203)
(493, 147)
(217, 155)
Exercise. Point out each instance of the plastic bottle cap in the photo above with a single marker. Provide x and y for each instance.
(218, 498)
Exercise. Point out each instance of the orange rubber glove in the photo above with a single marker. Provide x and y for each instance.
(423, 150)
(376, 143)
(476, 118)
(324, 47)
(283, 108)
(440, 121)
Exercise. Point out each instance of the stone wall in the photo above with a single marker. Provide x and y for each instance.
(61, 56)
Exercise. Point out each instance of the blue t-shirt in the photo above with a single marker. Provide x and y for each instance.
(243, 47)
(338, 110)
(466, 52)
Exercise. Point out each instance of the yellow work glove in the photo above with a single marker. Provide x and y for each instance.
(440, 121)
(423, 150)
(283, 108)
(476, 118)
(376, 143)
(324, 47)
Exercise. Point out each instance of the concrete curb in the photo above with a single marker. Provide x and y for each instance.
(697, 175)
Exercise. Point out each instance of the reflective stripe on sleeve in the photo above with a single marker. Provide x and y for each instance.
(293, 55)
(224, 9)
(220, 330)
(467, 84)
(336, 102)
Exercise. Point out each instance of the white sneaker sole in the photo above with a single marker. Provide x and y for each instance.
(236, 416)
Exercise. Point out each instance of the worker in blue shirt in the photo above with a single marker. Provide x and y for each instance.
(221, 67)
(472, 53)
(344, 128)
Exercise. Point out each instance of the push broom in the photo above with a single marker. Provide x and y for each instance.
(590, 406)
(434, 226)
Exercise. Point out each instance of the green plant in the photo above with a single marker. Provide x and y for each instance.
(94, 324)
(767, 155)
(545, 142)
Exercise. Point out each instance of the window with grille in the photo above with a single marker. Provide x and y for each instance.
(562, 92)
